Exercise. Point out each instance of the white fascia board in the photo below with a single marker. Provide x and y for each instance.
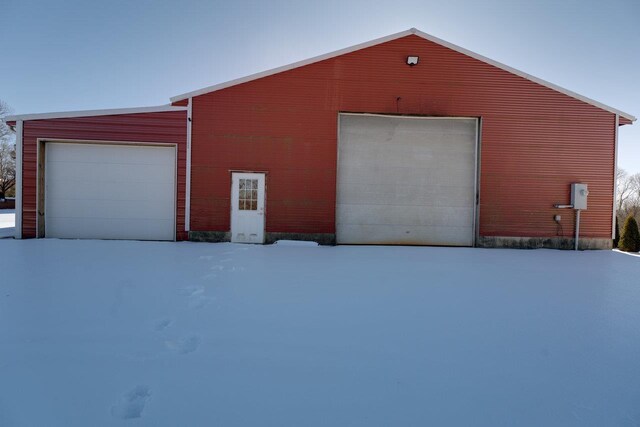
(89, 113)
(397, 36)
(18, 184)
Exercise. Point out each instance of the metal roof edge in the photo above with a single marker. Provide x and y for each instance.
(391, 37)
(88, 113)
(523, 74)
(292, 66)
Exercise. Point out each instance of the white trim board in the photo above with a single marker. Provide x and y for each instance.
(402, 116)
(187, 191)
(395, 36)
(615, 179)
(89, 113)
(18, 185)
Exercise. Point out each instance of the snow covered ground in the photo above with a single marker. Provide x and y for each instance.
(107, 333)
(7, 222)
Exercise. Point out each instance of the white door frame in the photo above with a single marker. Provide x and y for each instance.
(256, 214)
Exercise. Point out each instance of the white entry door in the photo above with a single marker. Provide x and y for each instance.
(247, 207)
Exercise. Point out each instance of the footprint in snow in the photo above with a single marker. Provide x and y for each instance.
(121, 290)
(206, 257)
(199, 301)
(217, 267)
(132, 403)
(226, 260)
(192, 290)
(162, 324)
(184, 345)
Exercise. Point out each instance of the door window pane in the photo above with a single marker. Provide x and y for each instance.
(248, 194)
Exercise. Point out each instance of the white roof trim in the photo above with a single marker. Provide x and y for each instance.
(525, 75)
(393, 37)
(88, 113)
(292, 66)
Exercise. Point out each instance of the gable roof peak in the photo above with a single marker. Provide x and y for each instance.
(410, 31)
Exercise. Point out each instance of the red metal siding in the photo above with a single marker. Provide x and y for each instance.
(535, 141)
(163, 127)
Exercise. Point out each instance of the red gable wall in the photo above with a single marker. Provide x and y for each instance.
(535, 141)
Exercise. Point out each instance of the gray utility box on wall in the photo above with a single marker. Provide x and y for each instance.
(579, 193)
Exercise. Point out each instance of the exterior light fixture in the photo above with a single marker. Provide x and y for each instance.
(412, 60)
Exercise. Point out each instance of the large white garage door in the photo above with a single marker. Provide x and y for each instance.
(98, 191)
(407, 181)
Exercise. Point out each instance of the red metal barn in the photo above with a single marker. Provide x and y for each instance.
(402, 140)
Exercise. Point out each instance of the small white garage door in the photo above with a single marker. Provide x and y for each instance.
(99, 191)
(405, 180)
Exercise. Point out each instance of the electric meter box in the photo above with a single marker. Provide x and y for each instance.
(579, 193)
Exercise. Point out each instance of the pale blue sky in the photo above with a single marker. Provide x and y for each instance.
(88, 54)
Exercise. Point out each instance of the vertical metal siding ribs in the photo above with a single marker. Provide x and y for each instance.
(535, 141)
(163, 127)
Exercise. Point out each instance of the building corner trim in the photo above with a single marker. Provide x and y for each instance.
(615, 178)
(19, 164)
(187, 194)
